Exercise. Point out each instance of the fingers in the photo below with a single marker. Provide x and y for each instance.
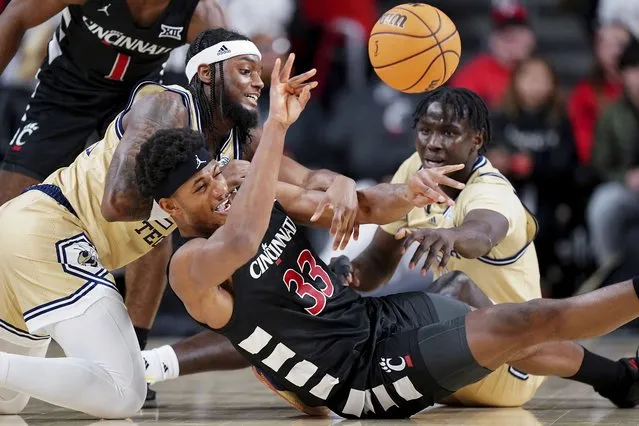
(275, 74)
(302, 78)
(445, 180)
(403, 233)
(297, 90)
(449, 168)
(319, 211)
(435, 248)
(356, 232)
(446, 253)
(336, 226)
(305, 96)
(422, 250)
(286, 71)
(347, 230)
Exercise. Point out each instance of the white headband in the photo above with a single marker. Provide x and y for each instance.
(220, 52)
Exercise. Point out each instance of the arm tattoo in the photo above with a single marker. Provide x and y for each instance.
(163, 111)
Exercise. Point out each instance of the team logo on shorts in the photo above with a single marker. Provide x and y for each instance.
(17, 142)
(396, 364)
(79, 257)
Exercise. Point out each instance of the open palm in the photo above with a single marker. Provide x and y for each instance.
(289, 95)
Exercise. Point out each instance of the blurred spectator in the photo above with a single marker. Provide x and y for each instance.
(534, 148)
(586, 10)
(591, 95)
(512, 40)
(624, 12)
(372, 130)
(614, 207)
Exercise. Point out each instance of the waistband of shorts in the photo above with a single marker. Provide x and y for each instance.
(54, 192)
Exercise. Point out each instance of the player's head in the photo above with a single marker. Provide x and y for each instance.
(224, 72)
(175, 169)
(452, 127)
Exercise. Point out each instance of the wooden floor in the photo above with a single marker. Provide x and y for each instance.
(237, 398)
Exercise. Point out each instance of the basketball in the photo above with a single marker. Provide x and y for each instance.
(414, 47)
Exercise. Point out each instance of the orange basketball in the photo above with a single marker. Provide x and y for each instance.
(414, 47)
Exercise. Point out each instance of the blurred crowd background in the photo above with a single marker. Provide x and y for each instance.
(561, 78)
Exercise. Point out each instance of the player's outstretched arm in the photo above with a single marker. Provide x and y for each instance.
(121, 200)
(19, 16)
(380, 204)
(200, 265)
(208, 14)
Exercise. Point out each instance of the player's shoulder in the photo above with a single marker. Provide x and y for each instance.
(150, 95)
(486, 179)
(408, 168)
(181, 261)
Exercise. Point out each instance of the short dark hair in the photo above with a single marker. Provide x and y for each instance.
(165, 150)
(464, 104)
(207, 108)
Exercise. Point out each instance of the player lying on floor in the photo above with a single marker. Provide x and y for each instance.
(249, 275)
(492, 234)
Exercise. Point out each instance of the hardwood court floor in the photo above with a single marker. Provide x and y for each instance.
(237, 398)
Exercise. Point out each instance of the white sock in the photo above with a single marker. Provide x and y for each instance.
(161, 364)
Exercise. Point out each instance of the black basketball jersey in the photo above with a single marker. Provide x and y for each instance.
(293, 319)
(105, 45)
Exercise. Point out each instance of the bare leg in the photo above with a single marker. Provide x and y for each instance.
(504, 333)
(12, 184)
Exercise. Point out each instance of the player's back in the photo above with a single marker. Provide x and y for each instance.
(82, 183)
(101, 42)
(321, 340)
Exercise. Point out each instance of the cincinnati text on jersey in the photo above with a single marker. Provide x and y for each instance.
(271, 252)
(118, 39)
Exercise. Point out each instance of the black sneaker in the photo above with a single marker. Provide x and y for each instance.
(151, 398)
(627, 397)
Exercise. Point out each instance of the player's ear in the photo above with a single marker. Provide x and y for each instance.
(478, 141)
(204, 73)
(170, 206)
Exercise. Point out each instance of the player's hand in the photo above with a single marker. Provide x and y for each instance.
(436, 244)
(424, 186)
(341, 266)
(341, 198)
(289, 95)
(235, 172)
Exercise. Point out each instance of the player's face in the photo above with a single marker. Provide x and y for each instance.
(442, 139)
(534, 84)
(243, 81)
(202, 203)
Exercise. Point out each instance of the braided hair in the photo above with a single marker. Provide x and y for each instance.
(217, 102)
(464, 104)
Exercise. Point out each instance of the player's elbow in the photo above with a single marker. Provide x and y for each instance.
(245, 246)
(477, 246)
(113, 209)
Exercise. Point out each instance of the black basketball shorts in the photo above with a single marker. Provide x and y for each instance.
(425, 364)
(63, 112)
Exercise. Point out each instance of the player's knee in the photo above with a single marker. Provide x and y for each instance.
(14, 405)
(538, 319)
(128, 402)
